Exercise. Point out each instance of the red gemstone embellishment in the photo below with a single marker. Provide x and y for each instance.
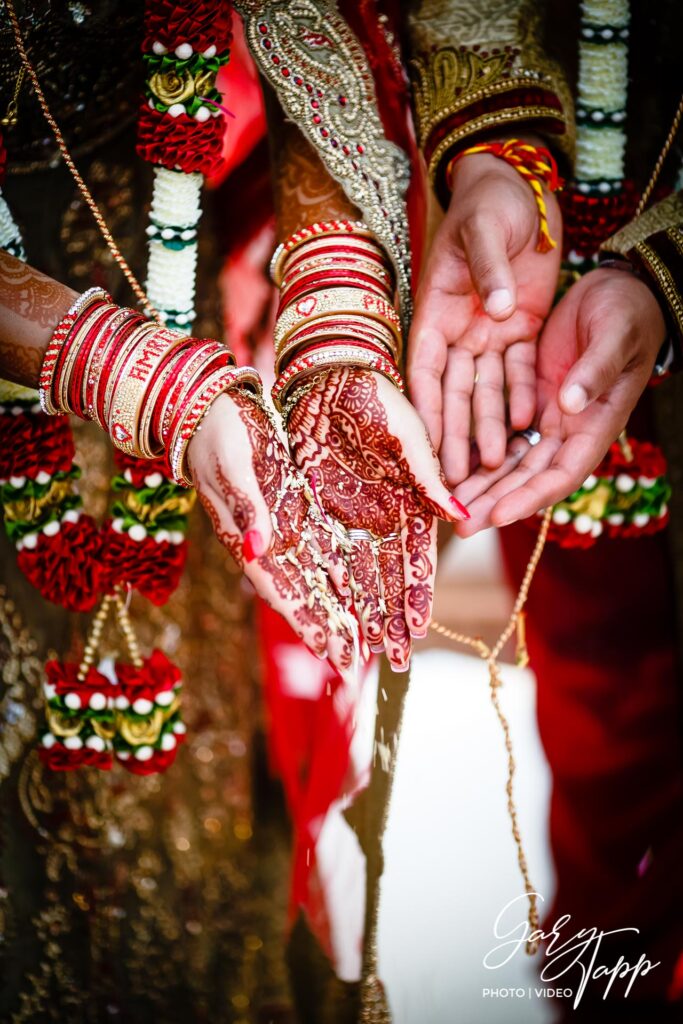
(263, 28)
(360, 147)
(343, 101)
(275, 59)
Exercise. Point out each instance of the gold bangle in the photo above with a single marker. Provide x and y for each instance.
(353, 329)
(346, 355)
(340, 301)
(360, 266)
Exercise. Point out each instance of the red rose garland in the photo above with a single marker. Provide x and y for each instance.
(131, 716)
(625, 497)
(185, 45)
(200, 23)
(61, 550)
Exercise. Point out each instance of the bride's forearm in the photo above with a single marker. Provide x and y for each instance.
(31, 305)
(304, 191)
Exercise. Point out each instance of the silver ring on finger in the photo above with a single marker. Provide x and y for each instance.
(530, 435)
(359, 536)
(389, 537)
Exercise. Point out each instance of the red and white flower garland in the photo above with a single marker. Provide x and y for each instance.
(627, 494)
(142, 545)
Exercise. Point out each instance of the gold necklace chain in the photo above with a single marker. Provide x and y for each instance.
(656, 170)
(82, 187)
(10, 118)
(490, 655)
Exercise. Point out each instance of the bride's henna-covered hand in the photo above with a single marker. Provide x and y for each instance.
(246, 482)
(367, 454)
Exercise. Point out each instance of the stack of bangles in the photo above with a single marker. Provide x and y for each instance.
(148, 386)
(336, 308)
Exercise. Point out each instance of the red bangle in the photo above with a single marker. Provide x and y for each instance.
(185, 373)
(335, 250)
(90, 314)
(77, 396)
(218, 360)
(94, 367)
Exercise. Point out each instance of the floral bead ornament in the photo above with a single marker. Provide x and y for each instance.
(75, 563)
(128, 713)
(626, 496)
(132, 713)
(61, 550)
(181, 125)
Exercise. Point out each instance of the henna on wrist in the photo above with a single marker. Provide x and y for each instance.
(31, 305)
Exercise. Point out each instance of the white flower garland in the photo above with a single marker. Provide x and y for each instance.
(10, 236)
(171, 271)
(602, 91)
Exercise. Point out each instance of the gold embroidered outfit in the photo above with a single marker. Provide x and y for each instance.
(479, 67)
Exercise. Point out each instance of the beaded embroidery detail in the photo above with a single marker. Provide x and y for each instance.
(319, 70)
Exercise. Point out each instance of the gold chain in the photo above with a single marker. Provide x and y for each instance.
(490, 655)
(10, 118)
(95, 633)
(82, 187)
(656, 171)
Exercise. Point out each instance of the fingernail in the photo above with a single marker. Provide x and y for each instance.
(460, 508)
(252, 545)
(575, 398)
(398, 669)
(499, 301)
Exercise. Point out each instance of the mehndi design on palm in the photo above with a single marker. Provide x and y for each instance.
(295, 564)
(366, 454)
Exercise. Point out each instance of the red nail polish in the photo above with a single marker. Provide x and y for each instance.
(252, 545)
(460, 507)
